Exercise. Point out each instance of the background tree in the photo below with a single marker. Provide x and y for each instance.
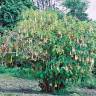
(45, 4)
(1, 1)
(10, 10)
(77, 8)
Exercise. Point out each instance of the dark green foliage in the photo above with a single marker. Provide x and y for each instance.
(10, 10)
(2, 30)
(77, 8)
(1, 2)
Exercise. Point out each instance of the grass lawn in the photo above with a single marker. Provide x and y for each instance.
(25, 73)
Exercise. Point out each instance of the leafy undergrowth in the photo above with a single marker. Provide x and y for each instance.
(89, 83)
(25, 73)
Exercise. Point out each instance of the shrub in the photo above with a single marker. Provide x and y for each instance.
(62, 49)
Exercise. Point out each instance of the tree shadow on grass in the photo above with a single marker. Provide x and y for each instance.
(31, 91)
(26, 91)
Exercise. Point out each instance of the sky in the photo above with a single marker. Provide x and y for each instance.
(92, 9)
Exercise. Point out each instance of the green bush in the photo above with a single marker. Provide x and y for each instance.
(62, 49)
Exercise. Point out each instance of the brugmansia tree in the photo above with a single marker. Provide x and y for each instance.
(63, 49)
(77, 8)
